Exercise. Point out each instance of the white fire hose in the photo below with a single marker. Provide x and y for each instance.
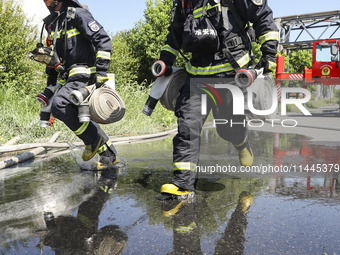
(104, 105)
(166, 88)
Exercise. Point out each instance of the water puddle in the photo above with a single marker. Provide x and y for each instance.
(57, 209)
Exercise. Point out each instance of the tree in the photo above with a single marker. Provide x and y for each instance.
(17, 38)
(123, 64)
(300, 59)
(148, 36)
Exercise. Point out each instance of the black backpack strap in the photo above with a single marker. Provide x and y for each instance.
(229, 4)
(231, 58)
(225, 17)
(236, 15)
(173, 31)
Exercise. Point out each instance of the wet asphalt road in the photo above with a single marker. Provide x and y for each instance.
(58, 209)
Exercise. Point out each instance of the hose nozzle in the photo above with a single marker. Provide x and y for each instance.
(79, 96)
(159, 68)
(245, 77)
(44, 97)
(149, 106)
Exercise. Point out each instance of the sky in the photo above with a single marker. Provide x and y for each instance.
(117, 15)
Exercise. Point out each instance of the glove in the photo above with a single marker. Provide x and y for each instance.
(268, 63)
(100, 78)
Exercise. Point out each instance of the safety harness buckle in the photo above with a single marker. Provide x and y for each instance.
(234, 42)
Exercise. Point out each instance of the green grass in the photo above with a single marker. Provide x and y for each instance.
(314, 104)
(19, 116)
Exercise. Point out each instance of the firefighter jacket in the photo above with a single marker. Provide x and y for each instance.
(81, 43)
(256, 12)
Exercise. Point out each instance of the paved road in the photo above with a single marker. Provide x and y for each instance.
(322, 127)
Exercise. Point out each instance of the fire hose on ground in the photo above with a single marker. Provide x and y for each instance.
(39, 148)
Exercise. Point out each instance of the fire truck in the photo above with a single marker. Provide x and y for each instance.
(325, 66)
(317, 31)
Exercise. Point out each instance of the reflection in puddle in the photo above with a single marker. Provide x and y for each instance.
(79, 233)
(233, 213)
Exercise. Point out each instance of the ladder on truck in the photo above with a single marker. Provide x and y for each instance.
(300, 31)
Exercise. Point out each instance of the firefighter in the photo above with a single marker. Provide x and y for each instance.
(232, 53)
(84, 49)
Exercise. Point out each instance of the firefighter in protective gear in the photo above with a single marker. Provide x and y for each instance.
(84, 49)
(234, 52)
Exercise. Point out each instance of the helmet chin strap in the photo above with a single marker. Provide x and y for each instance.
(53, 6)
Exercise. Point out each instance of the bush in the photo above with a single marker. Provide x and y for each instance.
(17, 38)
(148, 36)
(123, 64)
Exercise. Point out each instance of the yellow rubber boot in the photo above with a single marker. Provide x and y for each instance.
(172, 189)
(245, 202)
(173, 211)
(91, 150)
(104, 164)
(246, 156)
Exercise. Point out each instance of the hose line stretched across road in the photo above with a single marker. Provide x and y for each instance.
(39, 148)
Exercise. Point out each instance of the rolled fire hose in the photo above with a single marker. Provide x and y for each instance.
(168, 99)
(106, 106)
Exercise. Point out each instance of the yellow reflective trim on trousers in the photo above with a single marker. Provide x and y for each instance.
(106, 189)
(208, 70)
(85, 220)
(184, 166)
(272, 66)
(271, 36)
(105, 146)
(186, 229)
(108, 143)
(82, 70)
(102, 148)
(69, 33)
(170, 49)
(82, 128)
(199, 12)
(103, 54)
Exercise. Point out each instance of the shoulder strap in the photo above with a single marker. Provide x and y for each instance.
(229, 4)
(205, 2)
(173, 32)
(236, 15)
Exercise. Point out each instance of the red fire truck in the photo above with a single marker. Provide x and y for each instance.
(325, 66)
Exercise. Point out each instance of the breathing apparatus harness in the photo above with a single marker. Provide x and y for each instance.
(225, 5)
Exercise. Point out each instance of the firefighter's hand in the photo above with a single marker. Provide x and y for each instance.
(100, 78)
(267, 63)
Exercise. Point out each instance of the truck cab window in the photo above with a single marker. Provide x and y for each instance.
(327, 52)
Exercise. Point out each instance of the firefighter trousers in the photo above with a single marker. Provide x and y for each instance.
(190, 120)
(64, 110)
